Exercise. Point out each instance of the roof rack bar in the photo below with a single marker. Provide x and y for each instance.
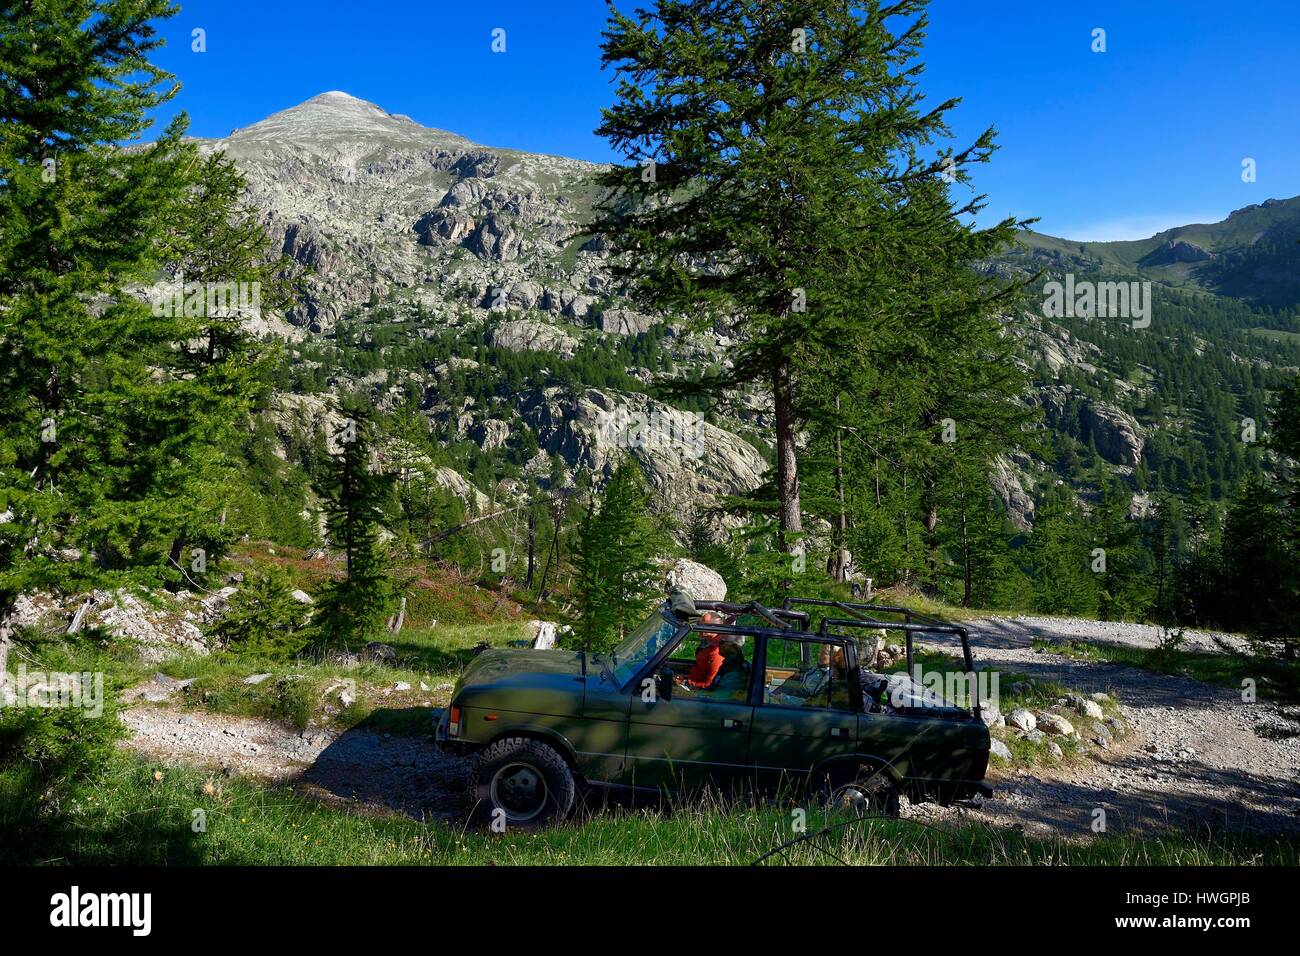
(854, 607)
(753, 607)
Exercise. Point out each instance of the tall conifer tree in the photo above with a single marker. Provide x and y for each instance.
(786, 182)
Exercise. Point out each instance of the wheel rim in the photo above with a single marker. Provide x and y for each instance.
(851, 797)
(520, 790)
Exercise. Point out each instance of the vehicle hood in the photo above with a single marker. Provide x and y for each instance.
(519, 667)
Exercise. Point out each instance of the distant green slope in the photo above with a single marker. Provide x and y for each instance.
(1253, 255)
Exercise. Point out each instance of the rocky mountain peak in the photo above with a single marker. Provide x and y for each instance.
(336, 115)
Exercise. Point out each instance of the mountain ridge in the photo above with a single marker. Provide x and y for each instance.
(423, 243)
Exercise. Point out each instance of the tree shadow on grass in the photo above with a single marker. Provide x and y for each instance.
(420, 656)
(34, 833)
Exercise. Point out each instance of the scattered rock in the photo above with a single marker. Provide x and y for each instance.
(254, 679)
(1022, 719)
(1088, 708)
(1055, 725)
(302, 597)
(376, 651)
(998, 749)
(541, 634)
(989, 712)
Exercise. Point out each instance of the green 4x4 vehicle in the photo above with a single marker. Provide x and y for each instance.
(793, 712)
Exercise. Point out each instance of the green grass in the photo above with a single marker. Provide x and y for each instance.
(300, 692)
(1275, 335)
(142, 814)
(296, 691)
(1276, 681)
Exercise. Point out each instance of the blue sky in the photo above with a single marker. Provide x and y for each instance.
(1115, 145)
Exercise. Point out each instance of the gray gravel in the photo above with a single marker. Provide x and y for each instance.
(379, 770)
(1197, 755)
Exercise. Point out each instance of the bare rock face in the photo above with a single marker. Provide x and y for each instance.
(526, 335)
(1119, 438)
(161, 624)
(1176, 250)
(490, 434)
(623, 322)
(1009, 490)
(700, 582)
(496, 239)
(444, 225)
(682, 455)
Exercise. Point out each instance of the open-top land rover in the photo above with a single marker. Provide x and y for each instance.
(797, 710)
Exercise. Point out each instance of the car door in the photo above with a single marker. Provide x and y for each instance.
(690, 741)
(795, 731)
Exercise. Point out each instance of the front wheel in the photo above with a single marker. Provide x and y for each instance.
(522, 783)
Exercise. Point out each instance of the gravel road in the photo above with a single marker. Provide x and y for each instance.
(1196, 756)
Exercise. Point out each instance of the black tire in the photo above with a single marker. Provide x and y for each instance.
(864, 790)
(522, 784)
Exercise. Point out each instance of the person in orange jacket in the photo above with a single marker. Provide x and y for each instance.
(708, 658)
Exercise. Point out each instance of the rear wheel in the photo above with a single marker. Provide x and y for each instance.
(522, 783)
(863, 791)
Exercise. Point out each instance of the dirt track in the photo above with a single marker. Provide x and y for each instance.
(1197, 756)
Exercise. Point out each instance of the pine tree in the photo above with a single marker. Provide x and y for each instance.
(356, 494)
(94, 434)
(264, 619)
(1059, 559)
(1124, 592)
(617, 574)
(785, 182)
(224, 275)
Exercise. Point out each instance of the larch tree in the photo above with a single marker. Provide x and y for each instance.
(786, 182)
(88, 372)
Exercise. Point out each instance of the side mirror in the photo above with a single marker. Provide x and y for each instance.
(664, 684)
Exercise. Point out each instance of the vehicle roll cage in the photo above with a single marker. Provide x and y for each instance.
(787, 618)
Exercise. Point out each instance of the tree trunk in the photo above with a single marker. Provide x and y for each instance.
(532, 547)
(395, 623)
(930, 521)
(837, 566)
(965, 548)
(787, 466)
(175, 555)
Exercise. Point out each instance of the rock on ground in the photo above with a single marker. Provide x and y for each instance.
(700, 582)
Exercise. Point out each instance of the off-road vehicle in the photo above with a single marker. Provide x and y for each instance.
(796, 712)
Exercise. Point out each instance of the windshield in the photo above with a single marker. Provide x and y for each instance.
(643, 643)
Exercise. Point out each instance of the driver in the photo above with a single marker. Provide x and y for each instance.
(708, 655)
